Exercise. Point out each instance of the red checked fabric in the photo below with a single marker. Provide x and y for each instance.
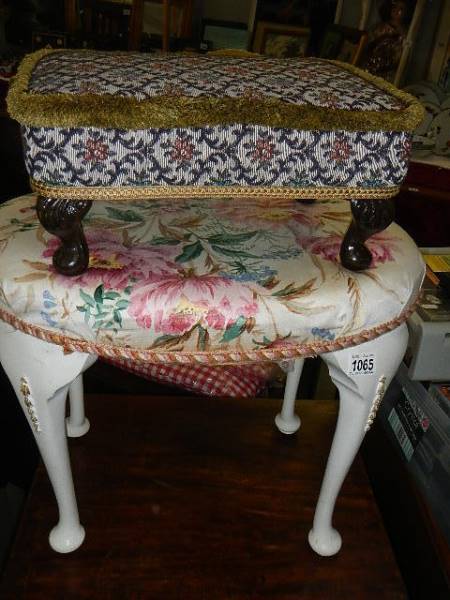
(233, 382)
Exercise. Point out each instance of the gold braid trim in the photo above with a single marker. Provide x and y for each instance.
(207, 191)
(118, 112)
(217, 358)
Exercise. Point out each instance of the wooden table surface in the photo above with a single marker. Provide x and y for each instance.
(202, 499)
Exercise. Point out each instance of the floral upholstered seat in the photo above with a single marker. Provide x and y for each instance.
(214, 282)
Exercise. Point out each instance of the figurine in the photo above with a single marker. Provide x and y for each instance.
(386, 39)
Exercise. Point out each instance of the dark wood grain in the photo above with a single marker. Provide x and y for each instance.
(195, 498)
(63, 218)
(369, 217)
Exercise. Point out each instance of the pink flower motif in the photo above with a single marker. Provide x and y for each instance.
(266, 64)
(176, 302)
(88, 87)
(115, 265)
(191, 61)
(328, 99)
(172, 89)
(30, 209)
(281, 342)
(215, 319)
(251, 93)
(95, 150)
(182, 150)
(303, 74)
(123, 58)
(265, 213)
(264, 150)
(406, 149)
(161, 66)
(381, 246)
(341, 150)
(235, 69)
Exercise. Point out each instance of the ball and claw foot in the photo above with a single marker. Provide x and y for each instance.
(64, 539)
(75, 431)
(287, 426)
(325, 544)
(355, 256)
(369, 217)
(63, 218)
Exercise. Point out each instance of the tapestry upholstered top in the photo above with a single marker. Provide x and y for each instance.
(218, 124)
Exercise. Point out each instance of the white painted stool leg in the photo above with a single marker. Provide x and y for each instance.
(77, 424)
(287, 421)
(68, 534)
(41, 374)
(359, 397)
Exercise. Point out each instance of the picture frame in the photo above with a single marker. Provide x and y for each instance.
(343, 43)
(281, 40)
(219, 35)
(440, 55)
(284, 11)
(48, 39)
(444, 76)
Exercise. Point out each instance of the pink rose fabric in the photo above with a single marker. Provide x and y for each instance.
(173, 304)
(206, 275)
(115, 264)
(381, 246)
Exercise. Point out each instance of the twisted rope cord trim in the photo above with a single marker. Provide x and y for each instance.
(218, 358)
(207, 191)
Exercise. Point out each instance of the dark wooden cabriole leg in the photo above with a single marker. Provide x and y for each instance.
(63, 219)
(369, 217)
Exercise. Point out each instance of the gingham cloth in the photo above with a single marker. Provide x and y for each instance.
(234, 382)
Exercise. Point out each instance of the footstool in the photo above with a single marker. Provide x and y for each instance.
(115, 126)
(202, 282)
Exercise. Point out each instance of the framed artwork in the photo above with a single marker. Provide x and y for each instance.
(440, 57)
(41, 39)
(343, 43)
(444, 77)
(284, 11)
(280, 40)
(224, 34)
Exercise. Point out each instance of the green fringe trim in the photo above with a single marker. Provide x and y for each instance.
(115, 112)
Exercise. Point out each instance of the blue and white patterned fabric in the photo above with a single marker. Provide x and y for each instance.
(220, 155)
(240, 155)
(296, 81)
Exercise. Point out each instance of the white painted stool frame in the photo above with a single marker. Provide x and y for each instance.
(42, 374)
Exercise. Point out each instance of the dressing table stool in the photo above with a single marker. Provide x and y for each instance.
(192, 282)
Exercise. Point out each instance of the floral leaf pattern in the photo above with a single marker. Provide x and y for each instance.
(295, 80)
(190, 252)
(124, 215)
(234, 330)
(104, 309)
(224, 156)
(206, 275)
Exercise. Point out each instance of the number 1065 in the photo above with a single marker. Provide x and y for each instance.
(362, 364)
